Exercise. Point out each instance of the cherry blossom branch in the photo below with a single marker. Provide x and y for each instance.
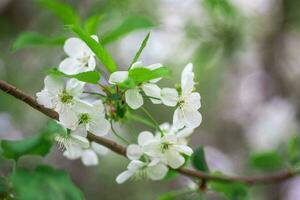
(119, 149)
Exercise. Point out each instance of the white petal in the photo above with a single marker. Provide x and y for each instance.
(184, 149)
(80, 141)
(152, 90)
(178, 119)
(154, 66)
(134, 152)
(75, 47)
(145, 137)
(69, 66)
(124, 176)
(99, 126)
(80, 131)
(193, 101)
(53, 84)
(133, 98)
(73, 152)
(45, 98)
(74, 87)
(193, 119)
(137, 64)
(68, 118)
(89, 157)
(99, 149)
(170, 139)
(91, 64)
(185, 132)
(187, 79)
(118, 77)
(174, 159)
(169, 96)
(166, 127)
(95, 37)
(157, 172)
(135, 165)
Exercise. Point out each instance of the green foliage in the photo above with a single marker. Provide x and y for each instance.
(88, 77)
(174, 194)
(4, 188)
(92, 23)
(44, 183)
(61, 10)
(138, 53)
(293, 150)
(171, 174)
(32, 39)
(269, 160)
(97, 48)
(38, 144)
(199, 161)
(141, 74)
(130, 24)
(232, 190)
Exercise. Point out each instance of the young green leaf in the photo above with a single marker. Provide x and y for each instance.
(88, 77)
(92, 23)
(44, 183)
(130, 24)
(61, 10)
(269, 160)
(140, 75)
(138, 53)
(39, 144)
(32, 39)
(199, 161)
(232, 191)
(293, 150)
(97, 48)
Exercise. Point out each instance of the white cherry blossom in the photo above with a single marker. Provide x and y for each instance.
(187, 102)
(80, 57)
(133, 96)
(61, 97)
(136, 168)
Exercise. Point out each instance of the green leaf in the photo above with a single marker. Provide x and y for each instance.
(138, 53)
(141, 74)
(88, 77)
(44, 183)
(97, 48)
(199, 161)
(130, 24)
(293, 150)
(92, 23)
(32, 39)
(269, 160)
(38, 144)
(61, 10)
(232, 190)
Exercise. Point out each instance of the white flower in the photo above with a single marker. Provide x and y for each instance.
(136, 168)
(61, 98)
(188, 102)
(81, 57)
(168, 149)
(77, 146)
(89, 115)
(181, 134)
(135, 151)
(132, 96)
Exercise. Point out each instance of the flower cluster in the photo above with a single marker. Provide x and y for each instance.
(81, 111)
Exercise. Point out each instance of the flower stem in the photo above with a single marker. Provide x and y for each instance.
(116, 134)
(153, 120)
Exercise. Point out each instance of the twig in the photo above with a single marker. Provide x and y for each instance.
(119, 149)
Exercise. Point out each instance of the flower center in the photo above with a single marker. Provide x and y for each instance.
(84, 60)
(65, 97)
(164, 147)
(84, 118)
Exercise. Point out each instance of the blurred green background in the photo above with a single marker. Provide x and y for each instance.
(246, 60)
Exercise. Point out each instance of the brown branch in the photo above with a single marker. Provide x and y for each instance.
(119, 149)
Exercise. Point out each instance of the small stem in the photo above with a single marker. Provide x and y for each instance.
(153, 120)
(14, 166)
(149, 97)
(116, 134)
(94, 93)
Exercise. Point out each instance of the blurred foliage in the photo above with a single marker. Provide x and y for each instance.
(44, 183)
